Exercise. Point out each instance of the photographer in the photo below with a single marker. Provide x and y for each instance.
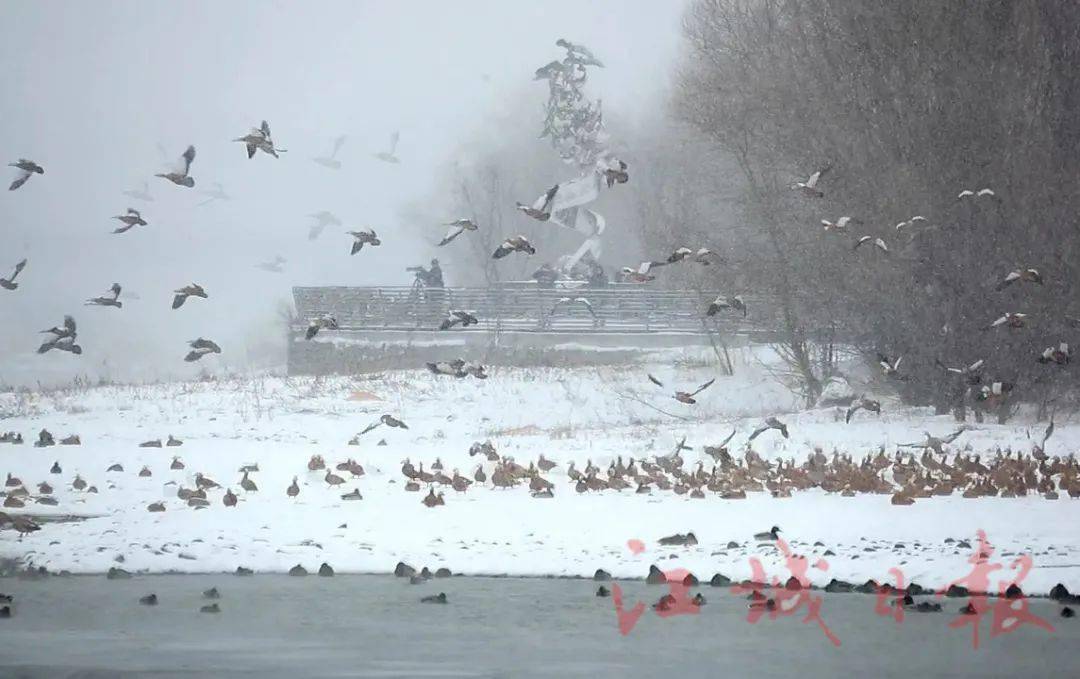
(429, 278)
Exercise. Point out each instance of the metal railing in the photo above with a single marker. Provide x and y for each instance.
(615, 308)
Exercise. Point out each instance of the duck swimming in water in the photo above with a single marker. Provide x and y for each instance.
(769, 535)
(439, 598)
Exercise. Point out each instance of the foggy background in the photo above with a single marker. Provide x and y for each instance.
(90, 90)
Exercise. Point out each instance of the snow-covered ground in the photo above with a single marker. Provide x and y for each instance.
(566, 414)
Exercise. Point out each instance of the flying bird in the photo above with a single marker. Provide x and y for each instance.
(259, 140)
(935, 443)
(388, 420)
(770, 423)
(1011, 320)
(322, 219)
(201, 347)
(328, 322)
(638, 275)
(981, 193)
(181, 294)
(456, 317)
(9, 283)
(67, 331)
(363, 237)
(456, 228)
(572, 301)
(917, 219)
(889, 367)
(809, 187)
(61, 344)
(331, 161)
(131, 219)
(25, 168)
(840, 224)
(1022, 276)
(863, 403)
(683, 396)
(517, 243)
(110, 298)
(994, 392)
(722, 303)
(613, 175)
(972, 374)
(388, 156)
(180, 175)
(878, 243)
(541, 208)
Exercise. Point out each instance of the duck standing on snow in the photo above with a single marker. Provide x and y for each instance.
(769, 535)
(294, 489)
(180, 174)
(9, 283)
(181, 294)
(25, 168)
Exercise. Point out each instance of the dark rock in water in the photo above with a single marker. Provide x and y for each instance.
(212, 593)
(956, 591)
(793, 584)
(928, 607)
(1058, 592)
(655, 576)
(949, 541)
(148, 600)
(117, 574)
(915, 589)
(439, 598)
(908, 600)
(425, 573)
(601, 575)
(829, 552)
(603, 591)
(1013, 592)
(240, 570)
(868, 587)
(382, 442)
(733, 545)
(1070, 599)
(417, 580)
(819, 543)
(443, 573)
(690, 580)
(899, 545)
(298, 570)
(5, 611)
(719, 580)
(963, 544)
(6, 598)
(838, 586)
(1067, 612)
(968, 609)
(326, 571)
(404, 570)
(211, 608)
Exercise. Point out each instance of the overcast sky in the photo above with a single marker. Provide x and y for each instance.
(90, 90)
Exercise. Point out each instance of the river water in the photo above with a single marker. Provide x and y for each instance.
(375, 626)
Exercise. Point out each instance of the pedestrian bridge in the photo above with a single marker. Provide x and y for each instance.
(378, 323)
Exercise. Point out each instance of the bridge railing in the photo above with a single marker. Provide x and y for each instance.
(615, 308)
